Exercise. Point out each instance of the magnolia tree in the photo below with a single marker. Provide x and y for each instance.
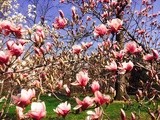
(98, 48)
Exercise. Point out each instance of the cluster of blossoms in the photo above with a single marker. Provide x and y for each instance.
(113, 27)
(7, 27)
(38, 109)
(99, 98)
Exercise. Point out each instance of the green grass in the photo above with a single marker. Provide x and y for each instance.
(112, 111)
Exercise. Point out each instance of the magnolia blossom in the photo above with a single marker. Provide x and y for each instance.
(101, 98)
(118, 55)
(60, 23)
(95, 115)
(81, 79)
(100, 30)
(115, 24)
(133, 117)
(76, 49)
(40, 32)
(112, 66)
(86, 45)
(123, 115)
(4, 57)
(22, 42)
(39, 51)
(17, 31)
(59, 84)
(6, 27)
(61, 1)
(153, 56)
(87, 102)
(63, 109)
(38, 110)
(19, 112)
(24, 98)
(65, 86)
(14, 48)
(48, 46)
(131, 47)
(95, 86)
(126, 67)
(105, 1)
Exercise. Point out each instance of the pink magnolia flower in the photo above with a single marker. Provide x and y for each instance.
(59, 84)
(9, 44)
(60, 23)
(22, 42)
(48, 46)
(39, 51)
(38, 110)
(63, 109)
(76, 49)
(7, 27)
(38, 39)
(100, 30)
(24, 98)
(17, 31)
(105, 1)
(118, 55)
(4, 58)
(123, 115)
(133, 117)
(95, 86)
(15, 49)
(81, 79)
(114, 2)
(65, 86)
(140, 31)
(153, 56)
(86, 45)
(126, 67)
(83, 105)
(61, 1)
(95, 115)
(101, 98)
(148, 57)
(112, 66)
(19, 112)
(131, 47)
(89, 18)
(40, 32)
(115, 24)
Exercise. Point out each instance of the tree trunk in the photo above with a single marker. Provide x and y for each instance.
(120, 85)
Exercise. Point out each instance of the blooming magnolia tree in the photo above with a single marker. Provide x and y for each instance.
(98, 50)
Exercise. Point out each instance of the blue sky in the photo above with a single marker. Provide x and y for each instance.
(56, 6)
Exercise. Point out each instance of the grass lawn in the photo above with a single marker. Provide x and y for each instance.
(112, 111)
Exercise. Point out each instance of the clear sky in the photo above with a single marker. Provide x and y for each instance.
(54, 6)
